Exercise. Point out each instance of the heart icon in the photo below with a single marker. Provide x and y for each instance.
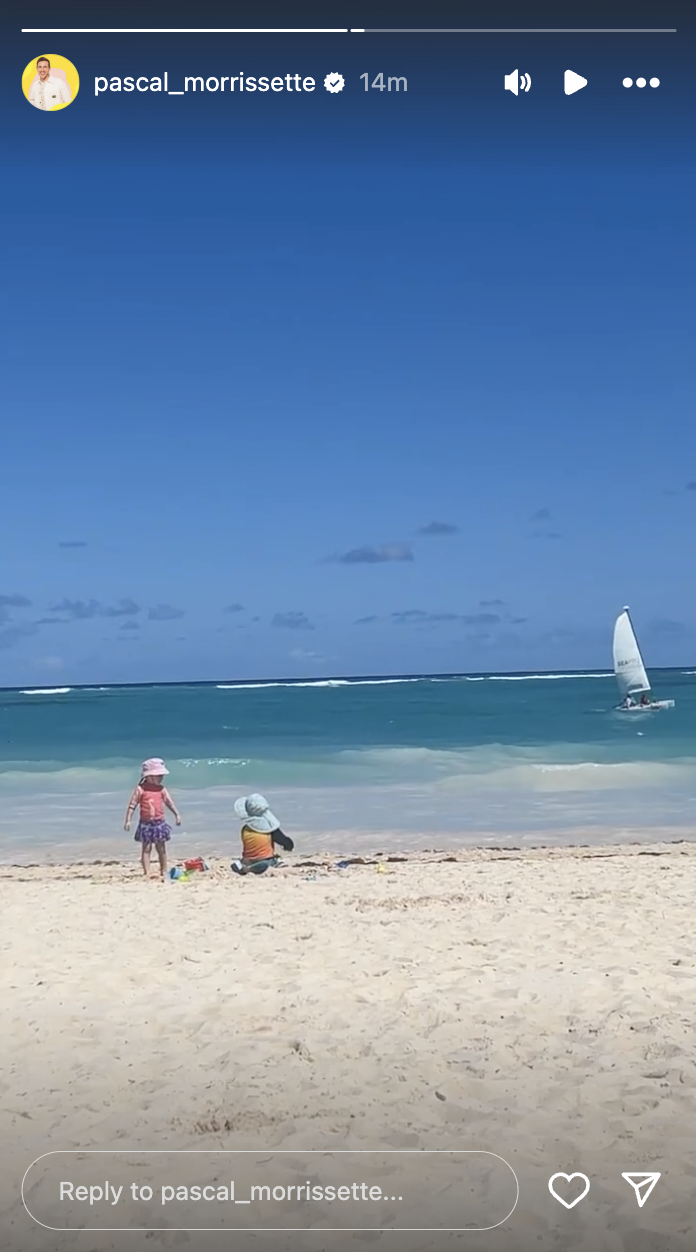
(569, 1178)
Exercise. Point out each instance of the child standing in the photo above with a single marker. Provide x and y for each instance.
(151, 796)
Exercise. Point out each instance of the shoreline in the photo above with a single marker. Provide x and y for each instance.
(294, 865)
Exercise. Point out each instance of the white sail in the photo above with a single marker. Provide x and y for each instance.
(628, 662)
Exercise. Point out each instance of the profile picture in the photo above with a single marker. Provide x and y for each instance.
(50, 82)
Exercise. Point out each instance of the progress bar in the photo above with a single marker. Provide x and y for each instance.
(192, 30)
(348, 30)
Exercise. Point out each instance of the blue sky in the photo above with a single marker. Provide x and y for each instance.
(347, 384)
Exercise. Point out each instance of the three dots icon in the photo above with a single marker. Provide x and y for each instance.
(641, 82)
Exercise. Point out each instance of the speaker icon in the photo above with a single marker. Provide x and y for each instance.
(516, 82)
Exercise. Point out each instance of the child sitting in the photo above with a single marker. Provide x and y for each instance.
(261, 834)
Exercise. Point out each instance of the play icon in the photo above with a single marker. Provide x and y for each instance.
(642, 1185)
(573, 82)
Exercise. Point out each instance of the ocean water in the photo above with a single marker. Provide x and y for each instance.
(352, 764)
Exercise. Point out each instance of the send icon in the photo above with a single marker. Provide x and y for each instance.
(642, 1185)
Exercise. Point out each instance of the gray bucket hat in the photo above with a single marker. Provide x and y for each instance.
(255, 813)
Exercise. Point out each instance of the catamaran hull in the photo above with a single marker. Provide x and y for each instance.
(654, 707)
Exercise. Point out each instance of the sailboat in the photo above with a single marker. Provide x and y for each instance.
(630, 671)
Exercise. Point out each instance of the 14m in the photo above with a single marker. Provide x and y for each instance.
(378, 84)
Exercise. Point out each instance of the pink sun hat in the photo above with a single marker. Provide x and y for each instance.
(155, 766)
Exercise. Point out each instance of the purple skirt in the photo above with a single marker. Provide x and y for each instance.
(153, 832)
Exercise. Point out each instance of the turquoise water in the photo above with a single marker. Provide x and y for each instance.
(478, 758)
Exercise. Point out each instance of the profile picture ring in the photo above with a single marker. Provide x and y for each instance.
(50, 82)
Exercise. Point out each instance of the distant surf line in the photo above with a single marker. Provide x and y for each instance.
(328, 681)
(380, 682)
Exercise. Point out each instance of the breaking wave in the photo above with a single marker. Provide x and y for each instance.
(525, 678)
(46, 691)
(325, 682)
(484, 768)
(423, 678)
(511, 769)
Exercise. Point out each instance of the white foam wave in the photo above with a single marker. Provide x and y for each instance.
(524, 678)
(327, 682)
(516, 770)
(385, 682)
(403, 776)
(324, 682)
(46, 691)
(55, 777)
(580, 776)
(190, 762)
(381, 682)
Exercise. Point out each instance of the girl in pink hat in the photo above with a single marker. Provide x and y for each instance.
(151, 796)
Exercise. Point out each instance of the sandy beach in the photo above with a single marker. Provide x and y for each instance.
(538, 1005)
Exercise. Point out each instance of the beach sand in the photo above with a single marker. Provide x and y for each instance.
(538, 1005)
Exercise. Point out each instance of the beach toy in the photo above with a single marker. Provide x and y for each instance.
(381, 869)
(197, 863)
(177, 874)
